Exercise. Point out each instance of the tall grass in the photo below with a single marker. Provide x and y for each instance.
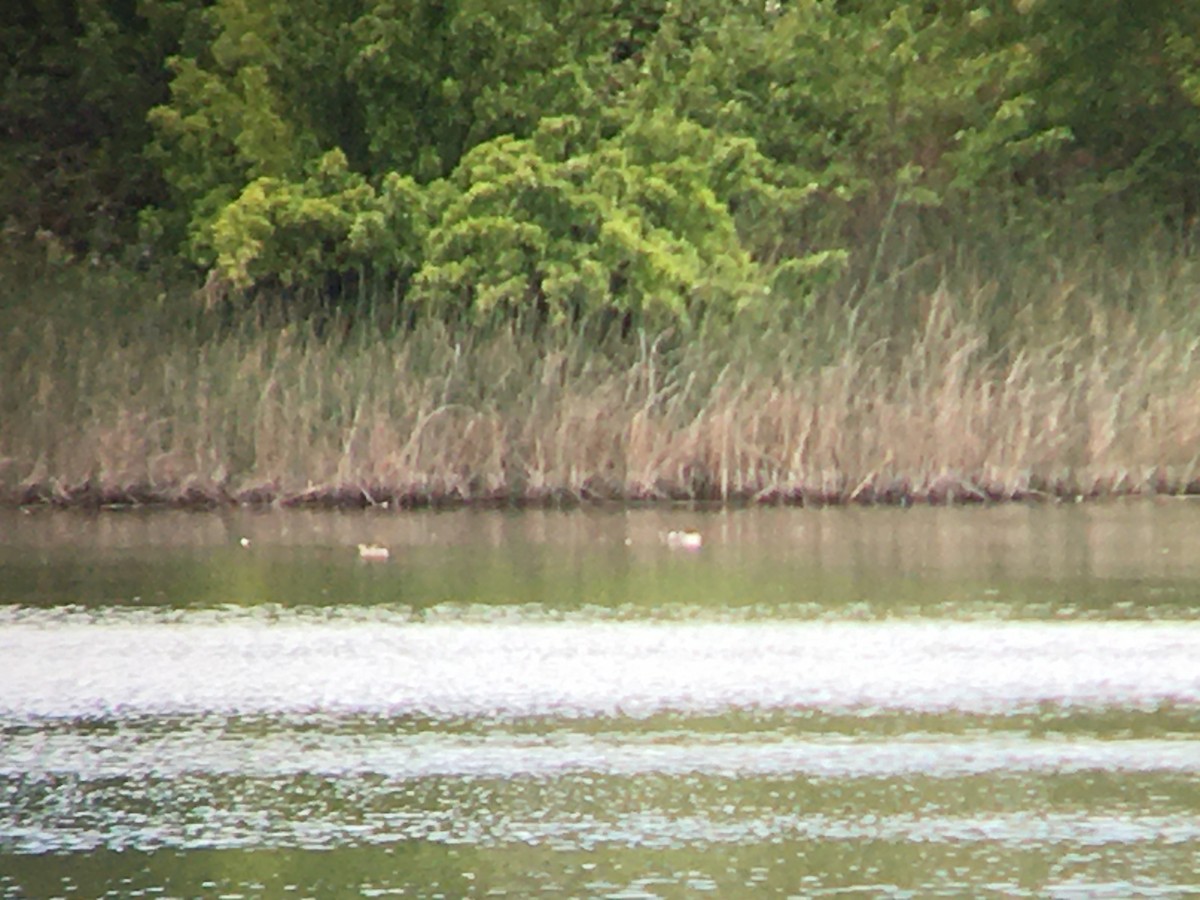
(978, 376)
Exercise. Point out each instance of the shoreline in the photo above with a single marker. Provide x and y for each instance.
(894, 493)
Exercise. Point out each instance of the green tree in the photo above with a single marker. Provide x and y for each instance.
(655, 159)
(1124, 80)
(871, 104)
(638, 224)
(262, 99)
(79, 78)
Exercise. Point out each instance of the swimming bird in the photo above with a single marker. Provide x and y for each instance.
(373, 552)
(685, 540)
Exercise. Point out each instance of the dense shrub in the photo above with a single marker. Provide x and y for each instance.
(482, 157)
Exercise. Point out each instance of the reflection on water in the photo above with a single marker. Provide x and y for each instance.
(1105, 561)
(339, 748)
(877, 701)
(575, 669)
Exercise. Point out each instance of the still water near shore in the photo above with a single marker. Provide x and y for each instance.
(881, 702)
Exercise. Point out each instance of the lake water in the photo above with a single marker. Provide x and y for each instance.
(866, 702)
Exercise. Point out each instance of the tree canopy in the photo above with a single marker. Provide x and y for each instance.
(657, 159)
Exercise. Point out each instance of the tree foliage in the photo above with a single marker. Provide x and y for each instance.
(638, 223)
(78, 80)
(660, 160)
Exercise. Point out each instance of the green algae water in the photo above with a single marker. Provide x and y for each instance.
(870, 702)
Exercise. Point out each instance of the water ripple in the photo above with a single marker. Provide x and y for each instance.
(574, 670)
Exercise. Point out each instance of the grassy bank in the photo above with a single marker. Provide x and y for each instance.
(1055, 376)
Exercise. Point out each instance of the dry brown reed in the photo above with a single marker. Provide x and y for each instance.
(285, 416)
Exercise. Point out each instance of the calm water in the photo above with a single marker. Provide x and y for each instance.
(920, 702)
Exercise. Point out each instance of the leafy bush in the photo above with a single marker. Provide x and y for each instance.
(633, 224)
(572, 156)
(297, 232)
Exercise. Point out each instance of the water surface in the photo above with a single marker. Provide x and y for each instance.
(885, 702)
